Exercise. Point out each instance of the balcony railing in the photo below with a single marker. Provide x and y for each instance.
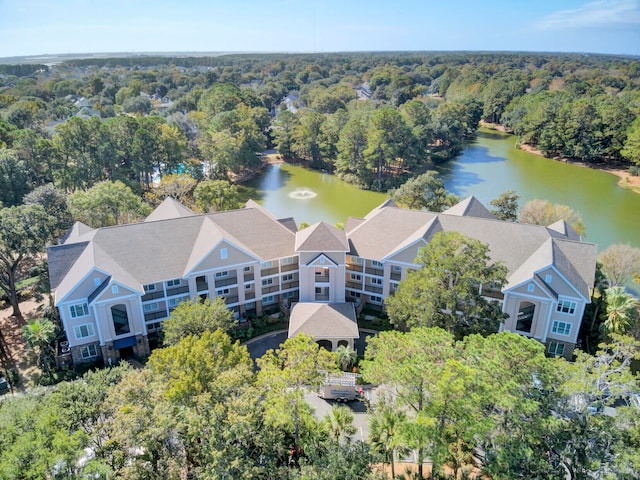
(225, 282)
(268, 271)
(202, 285)
(250, 296)
(289, 267)
(354, 267)
(371, 288)
(375, 271)
(248, 277)
(230, 300)
(322, 298)
(289, 285)
(177, 290)
(148, 317)
(152, 296)
(396, 275)
(355, 285)
(271, 289)
(322, 278)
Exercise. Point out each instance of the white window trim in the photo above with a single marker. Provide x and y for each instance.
(149, 287)
(287, 277)
(375, 299)
(78, 329)
(222, 291)
(356, 276)
(269, 299)
(555, 328)
(554, 351)
(150, 307)
(222, 274)
(73, 310)
(376, 264)
(571, 306)
(174, 282)
(376, 281)
(267, 281)
(87, 349)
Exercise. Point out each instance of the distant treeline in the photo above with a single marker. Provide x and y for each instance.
(22, 70)
(376, 119)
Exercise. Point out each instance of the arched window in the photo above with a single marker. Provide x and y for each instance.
(326, 344)
(120, 319)
(343, 343)
(525, 317)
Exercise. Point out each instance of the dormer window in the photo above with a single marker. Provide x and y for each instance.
(223, 253)
(548, 278)
(530, 287)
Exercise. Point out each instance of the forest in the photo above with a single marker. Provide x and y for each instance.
(103, 141)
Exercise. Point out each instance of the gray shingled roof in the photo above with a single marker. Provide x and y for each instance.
(141, 253)
(520, 247)
(169, 208)
(60, 260)
(470, 207)
(324, 320)
(321, 237)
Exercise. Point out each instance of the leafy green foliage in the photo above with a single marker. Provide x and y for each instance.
(425, 191)
(195, 318)
(445, 290)
(107, 203)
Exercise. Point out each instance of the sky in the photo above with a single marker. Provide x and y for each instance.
(36, 27)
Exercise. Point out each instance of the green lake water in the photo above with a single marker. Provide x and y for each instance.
(490, 165)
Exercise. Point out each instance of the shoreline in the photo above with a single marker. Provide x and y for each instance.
(624, 179)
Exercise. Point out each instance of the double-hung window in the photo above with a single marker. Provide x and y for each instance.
(556, 348)
(79, 310)
(82, 331)
(561, 328)
(566, 306)
(173, 283)
(89, 351)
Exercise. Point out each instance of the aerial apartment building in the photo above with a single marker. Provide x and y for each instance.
(115, 285)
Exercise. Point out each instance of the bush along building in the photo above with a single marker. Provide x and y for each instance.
(114, 286)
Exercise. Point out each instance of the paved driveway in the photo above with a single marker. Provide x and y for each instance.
(258, 346)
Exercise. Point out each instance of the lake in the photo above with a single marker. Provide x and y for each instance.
(490, 165)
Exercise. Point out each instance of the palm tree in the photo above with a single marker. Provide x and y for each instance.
(339, 423)
(347, 356)
(383, 435)
(621, 312)
(39, 333)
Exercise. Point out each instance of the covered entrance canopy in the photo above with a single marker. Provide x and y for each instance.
(330, 324)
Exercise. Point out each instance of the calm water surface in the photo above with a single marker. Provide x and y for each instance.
(310, 196)
(492, 164)
(488, 167)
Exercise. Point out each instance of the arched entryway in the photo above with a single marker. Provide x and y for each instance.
(525, 317)
(120, 319)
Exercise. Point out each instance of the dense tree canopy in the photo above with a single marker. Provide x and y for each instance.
(445, 290)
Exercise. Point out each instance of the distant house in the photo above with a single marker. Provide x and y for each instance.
(292, 101)
(363, 91)
(114, 286)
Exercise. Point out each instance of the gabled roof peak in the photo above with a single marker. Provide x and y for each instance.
(470, 207)
(562, 227)
(168, 209)
(321, 237)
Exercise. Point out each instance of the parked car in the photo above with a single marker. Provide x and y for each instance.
(4, 386)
